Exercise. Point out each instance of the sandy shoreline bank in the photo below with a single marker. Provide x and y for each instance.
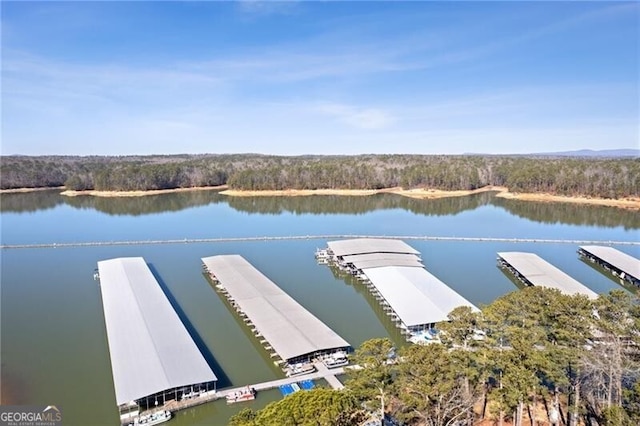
(94, 193)
(414, 193)
(24, 190)
(419, 193)
(625, 203)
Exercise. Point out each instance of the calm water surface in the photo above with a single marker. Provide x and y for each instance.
(54, 349)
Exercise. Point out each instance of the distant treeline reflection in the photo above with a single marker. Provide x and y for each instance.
(25, 202)
(565, 213)
(116, 206)
(336, 204)
(572, 214)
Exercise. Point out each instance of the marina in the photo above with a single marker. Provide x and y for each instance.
(291, 335)
(154, 360)
(532, 270)
(619, 264)
(393, 272)
(69, 305)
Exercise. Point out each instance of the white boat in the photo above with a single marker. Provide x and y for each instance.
(245, 394)
(152, 419)
(301, 368)
(334, 360)
(322, 254)
(188, 395)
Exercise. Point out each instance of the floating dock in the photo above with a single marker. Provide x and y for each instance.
(413, 298)
(532, 270)
(619, 264)
(154, 360)
(286, 329)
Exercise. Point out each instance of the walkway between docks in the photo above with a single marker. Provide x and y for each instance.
(322, 373)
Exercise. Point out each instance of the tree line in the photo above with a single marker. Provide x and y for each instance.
(596, 177)
(540, 356)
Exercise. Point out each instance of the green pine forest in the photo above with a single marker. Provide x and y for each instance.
(573, 176)
(545, 354)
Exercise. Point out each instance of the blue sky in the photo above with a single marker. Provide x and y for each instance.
(296, 78)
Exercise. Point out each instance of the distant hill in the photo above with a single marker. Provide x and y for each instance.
(592, 153)
(583, 153)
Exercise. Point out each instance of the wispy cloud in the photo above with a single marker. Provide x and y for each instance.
(259, 8)
(358, 117)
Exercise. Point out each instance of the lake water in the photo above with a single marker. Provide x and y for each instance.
(53, 342)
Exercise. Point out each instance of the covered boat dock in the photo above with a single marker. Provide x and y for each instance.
(413, 298)
(532, 270)
(286, 329)
(154, 360)
(619, 264)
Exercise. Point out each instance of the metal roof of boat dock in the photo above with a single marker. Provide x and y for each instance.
(539, 272)
(624, 262)
(291, 330)
(370, 245)
(416, 295)
(150, 348)
(377, 260)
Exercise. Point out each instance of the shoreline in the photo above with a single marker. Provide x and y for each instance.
(421, 193)
(624, 203)
(111, 194)
(25, 190)
(418, 193)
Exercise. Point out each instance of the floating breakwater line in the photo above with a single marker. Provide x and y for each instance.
(309, 237)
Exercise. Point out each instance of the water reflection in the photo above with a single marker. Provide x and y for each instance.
(550, 213)
(148, 204)
(337, 204)
(25, 202)
(572, 214)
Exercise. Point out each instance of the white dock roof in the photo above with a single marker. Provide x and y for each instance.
(370, 245)
(417, 296)
(628, 264)
(539, 272)
(290, 329)
(150, 348)
(377, 260)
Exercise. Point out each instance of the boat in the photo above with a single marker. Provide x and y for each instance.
(152, 419)
(301, 368)
(424, 337)
(322, 257)
(334, 360)
(245, 394)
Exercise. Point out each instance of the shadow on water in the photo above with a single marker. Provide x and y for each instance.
(246, 330)
(223, 380)
(519, 284)
(390, 327)
(624, 284)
